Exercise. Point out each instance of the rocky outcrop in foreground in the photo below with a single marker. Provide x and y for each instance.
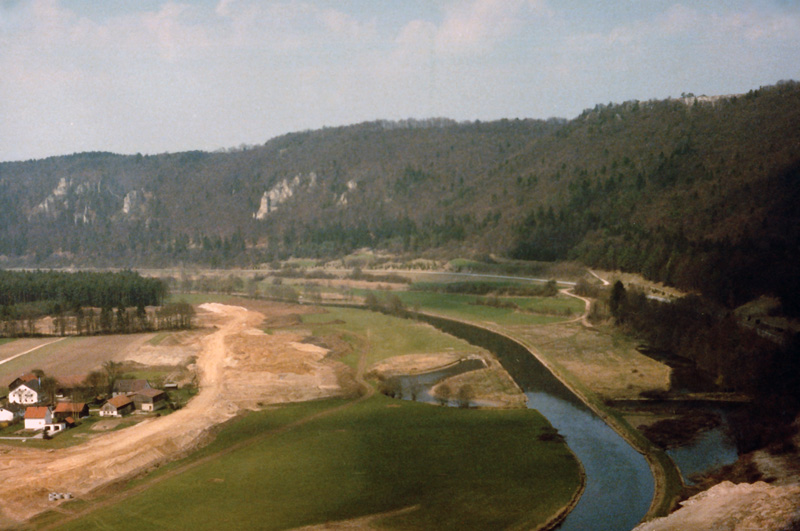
(731, 507)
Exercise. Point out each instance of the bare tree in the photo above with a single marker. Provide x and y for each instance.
(443, 393)
(465, 394)
(113, 371)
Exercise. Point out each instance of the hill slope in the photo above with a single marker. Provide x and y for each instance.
(697, 192)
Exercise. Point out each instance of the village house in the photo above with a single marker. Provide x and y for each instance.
(117, 407)
(37, 417)
(75, 410)
(71, 385)
(11, 412)
(129, 387)
(25, 392)
(150, 399)
(21, 380)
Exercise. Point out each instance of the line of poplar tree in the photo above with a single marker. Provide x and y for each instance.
(85, 303)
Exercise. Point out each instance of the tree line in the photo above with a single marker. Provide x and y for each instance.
(80, 289)
(86, 303)
(732, 356)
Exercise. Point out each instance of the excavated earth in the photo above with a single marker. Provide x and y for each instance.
(239, 367)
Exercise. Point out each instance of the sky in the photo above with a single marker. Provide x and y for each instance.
(154, 76)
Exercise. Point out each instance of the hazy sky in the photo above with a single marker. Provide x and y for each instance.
(152, 76)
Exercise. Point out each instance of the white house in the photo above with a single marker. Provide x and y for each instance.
(10, 412)
(6, 415)
(26, 393)
(37, 417)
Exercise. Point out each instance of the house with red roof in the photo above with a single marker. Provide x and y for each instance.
(70, 409)
(37, 417)
(117, 406)
(21, 380)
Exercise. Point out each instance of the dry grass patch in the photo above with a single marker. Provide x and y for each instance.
(605, 363)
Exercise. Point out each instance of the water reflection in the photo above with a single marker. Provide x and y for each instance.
(711, 449)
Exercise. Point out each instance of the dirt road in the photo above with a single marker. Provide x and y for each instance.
(234, 349)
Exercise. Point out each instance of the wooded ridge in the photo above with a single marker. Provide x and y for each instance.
(696, 192)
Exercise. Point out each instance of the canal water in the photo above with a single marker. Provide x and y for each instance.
(619, 484)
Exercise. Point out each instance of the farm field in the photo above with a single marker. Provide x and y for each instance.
(451, 468)
(67, 356)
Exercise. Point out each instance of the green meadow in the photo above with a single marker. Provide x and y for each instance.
(537, 310)
(381, 336)
(291, 466)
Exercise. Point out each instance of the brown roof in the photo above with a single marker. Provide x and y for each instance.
(119, 401)
(25, 378)
(151, 393)
(71, 381)
(36, 412)
(69, 407)
(130, 386)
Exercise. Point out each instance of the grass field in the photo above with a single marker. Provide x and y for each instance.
(462, 469)
(462, 307)
(381, 336)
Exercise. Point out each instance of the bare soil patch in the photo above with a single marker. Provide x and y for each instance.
(415, 363)
(106, 425)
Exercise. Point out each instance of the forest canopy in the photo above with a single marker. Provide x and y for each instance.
(67, 291)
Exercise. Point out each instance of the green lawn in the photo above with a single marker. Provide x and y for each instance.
(381, 336)
(462, 306)
(464, 469)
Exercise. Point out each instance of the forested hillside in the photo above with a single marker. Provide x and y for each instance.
(697, 192)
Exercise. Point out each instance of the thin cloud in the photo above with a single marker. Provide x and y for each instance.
(475, 27)
(177, 74)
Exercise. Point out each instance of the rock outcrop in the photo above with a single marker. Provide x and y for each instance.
(731, 507)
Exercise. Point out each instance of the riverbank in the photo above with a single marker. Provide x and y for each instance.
(664, 471)
(666, 478)
(558, 518)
